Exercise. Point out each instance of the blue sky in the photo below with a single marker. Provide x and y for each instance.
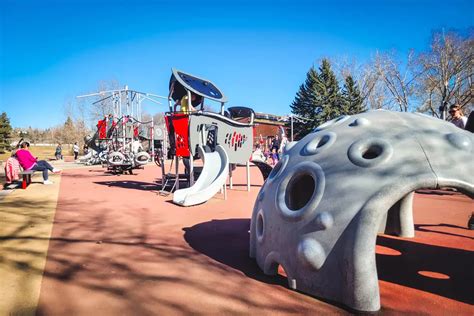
(257, 52)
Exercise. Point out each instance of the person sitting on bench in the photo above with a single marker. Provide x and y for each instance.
(28, 162)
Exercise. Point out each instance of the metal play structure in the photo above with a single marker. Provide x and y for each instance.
(123, 141)
(221, 141)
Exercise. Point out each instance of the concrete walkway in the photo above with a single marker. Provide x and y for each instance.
(26, 218)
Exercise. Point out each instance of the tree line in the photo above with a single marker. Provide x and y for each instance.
(427, 82)
(67, 133)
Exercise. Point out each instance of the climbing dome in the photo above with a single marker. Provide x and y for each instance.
(320, 210)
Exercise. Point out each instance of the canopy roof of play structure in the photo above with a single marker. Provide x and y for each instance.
(181, 81)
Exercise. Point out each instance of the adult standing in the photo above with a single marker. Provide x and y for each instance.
(276, 146)
(75, 148)
(58, 152)
(457, 117)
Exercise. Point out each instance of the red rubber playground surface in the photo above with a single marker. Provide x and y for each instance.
(117, 247)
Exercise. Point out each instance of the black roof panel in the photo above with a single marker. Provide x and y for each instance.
(199, 86)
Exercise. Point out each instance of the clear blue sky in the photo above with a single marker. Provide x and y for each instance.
(257, 52)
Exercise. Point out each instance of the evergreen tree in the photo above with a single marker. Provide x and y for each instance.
(304, 103)
(5, 133)
(67, 135)
(329, 95)
(351, 97)
(318, 99)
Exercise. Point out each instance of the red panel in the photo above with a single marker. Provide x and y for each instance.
(181, 131)
(135, 131)
(167, 123)
(102, 126)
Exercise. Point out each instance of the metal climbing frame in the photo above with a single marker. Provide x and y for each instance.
(126, 120)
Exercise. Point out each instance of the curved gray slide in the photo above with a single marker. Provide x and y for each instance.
(212, 178)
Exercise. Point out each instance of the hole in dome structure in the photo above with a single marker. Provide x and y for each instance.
(332, 123)
(260, 226)
(372, 152)
(279, 166)
(276, 168)
(299, 191)
(323, 141)
(281, 271)
(320, 142)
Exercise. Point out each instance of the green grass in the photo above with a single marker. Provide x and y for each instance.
(42, 152)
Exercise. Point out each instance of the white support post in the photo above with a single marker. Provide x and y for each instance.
(230, 177)
(140, 106)
(191, 170)
(164, 145)
(247, 167)
(152, 136)
(120, 104)
(130, 104)
(225, 192)
(190, 103)
(124, 131)
(177, 172)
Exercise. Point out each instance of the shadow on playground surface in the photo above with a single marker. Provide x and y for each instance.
(117, 249)
(227, 241)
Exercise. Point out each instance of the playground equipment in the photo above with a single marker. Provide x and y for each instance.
(206, 185)
(215, 138)
(319, 212)
(119, 140)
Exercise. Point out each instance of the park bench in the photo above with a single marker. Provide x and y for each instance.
(26, 175)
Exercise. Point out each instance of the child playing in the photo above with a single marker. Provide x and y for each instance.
(258, 155)
(274, 156)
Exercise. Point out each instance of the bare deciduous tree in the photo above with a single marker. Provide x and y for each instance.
(399, 79)
(447, 73)
(370, 84)
(103, 104)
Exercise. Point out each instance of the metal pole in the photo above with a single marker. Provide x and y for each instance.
(119, 104)
(291, 120)
(139, 102)
(190, 103)
(123, 132)
(225, 192)
(164, 145)
(191, 170)
(163, 176)
(152, 136)
(130, 104)
(177, 173)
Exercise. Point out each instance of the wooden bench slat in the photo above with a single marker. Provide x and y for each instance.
(27, 172)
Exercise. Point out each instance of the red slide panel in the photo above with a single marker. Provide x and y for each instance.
(181, 131)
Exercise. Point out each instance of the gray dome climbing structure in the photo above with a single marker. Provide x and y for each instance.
(319, 212)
